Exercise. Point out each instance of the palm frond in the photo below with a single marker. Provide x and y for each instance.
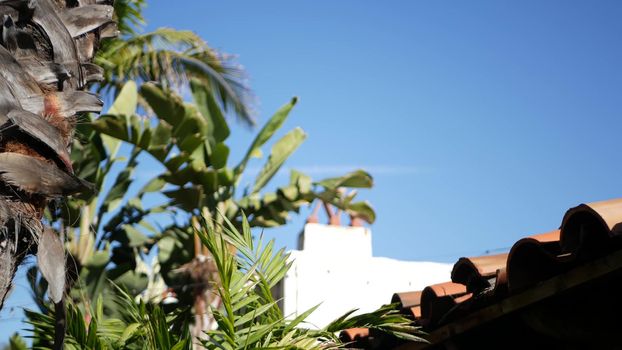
(16, 342)
(387, 319)
(141, 326)
(251, 318)
(128, 16)
(171, 57)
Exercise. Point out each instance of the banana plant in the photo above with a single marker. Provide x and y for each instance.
(250, 317)
(188, 140)
(109, 232)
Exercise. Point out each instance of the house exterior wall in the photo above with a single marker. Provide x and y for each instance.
(335, 268)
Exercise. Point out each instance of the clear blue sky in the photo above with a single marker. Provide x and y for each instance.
(481, 121)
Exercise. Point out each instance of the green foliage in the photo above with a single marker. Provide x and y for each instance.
(281, 150)
(173, 58)
(110, 232)
(128, 16)
(250, 317)
(115, 227)
(190, 147)
(387, 319)
(140, 326)
(266, 133)
(16, 343)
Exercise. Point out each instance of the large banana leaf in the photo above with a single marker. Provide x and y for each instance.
(265, 134)
(281, 151)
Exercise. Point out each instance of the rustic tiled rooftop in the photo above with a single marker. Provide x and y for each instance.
(558, 289)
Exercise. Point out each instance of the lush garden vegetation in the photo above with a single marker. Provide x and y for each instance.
(187, 229)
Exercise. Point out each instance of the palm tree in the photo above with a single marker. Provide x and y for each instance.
(172, 58)
(52, 62)
(250, 317)
(46, 49)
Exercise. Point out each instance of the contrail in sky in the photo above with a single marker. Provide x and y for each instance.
(331, 170)
(372, 169)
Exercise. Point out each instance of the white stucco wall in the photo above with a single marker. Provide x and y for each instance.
(335, 268)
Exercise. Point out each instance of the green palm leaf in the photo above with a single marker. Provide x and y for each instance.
(172, 57)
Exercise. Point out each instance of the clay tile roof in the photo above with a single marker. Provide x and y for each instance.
(552, 236)
(502, 278)
(588, 227)
(353, 334)
(608, 212)
(476, 272)
(531, 261)
(438, 299)
(540, 292)
(407, 299)
(415, 311)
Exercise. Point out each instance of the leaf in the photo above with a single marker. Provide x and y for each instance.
(266, 133)
(160, 143)
(154, 185)
(186, 198)
(257, 153)
(126, 101)
(280, 152)
(355, 179)
(51, 262)
(119, 188)
(171, 56)
(99, 259)
(204, 98)
(174, 250)
(255, 313)
(191, 124)
(175, 162)
(125, 104)
(362, 210)
(219, 156)
(135, 237)
(112, 144)
(129, 332)
(134, 281)
(301, 318)
(114, 126)
(166, 105)
(17, 343)
(190, 142)
(302, 181)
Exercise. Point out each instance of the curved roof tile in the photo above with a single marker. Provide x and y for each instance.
(483, 288)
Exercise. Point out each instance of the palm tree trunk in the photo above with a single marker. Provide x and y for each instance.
(45, 51)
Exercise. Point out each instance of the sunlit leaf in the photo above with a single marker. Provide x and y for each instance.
(280, 152)
(266, 133)
(126, 100)
(355, 179)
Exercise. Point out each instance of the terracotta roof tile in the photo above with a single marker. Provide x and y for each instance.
(407, 299)
(537, 271)
(531, 261)
(552, 236)
(609, 213)
(586, 229)
(443, 289)
(353, 334)
(501, 282)
(438, 299)
(415, 312)
(477, 272)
